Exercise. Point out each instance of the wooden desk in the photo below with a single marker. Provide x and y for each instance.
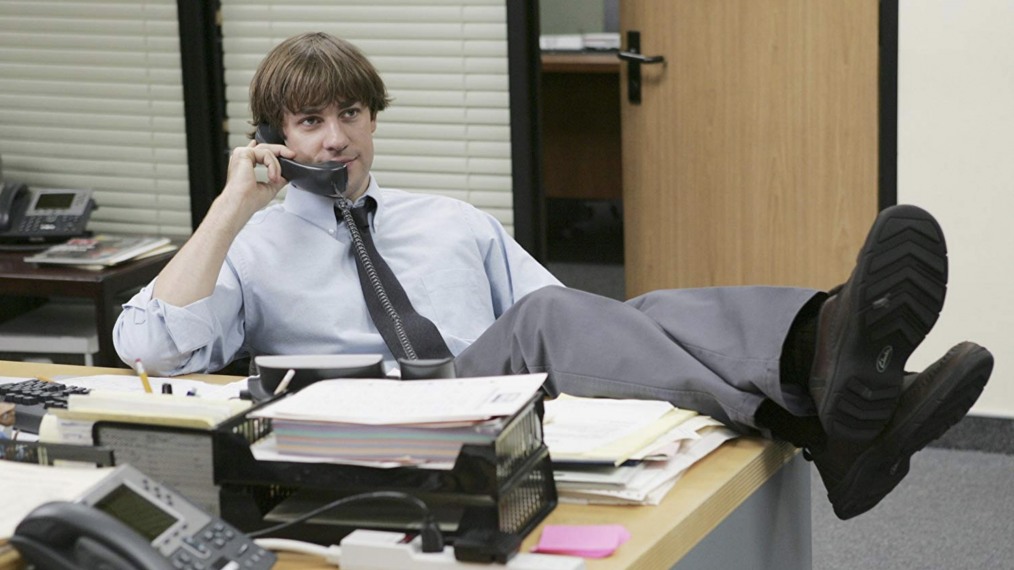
(31, 279)
(766, 529)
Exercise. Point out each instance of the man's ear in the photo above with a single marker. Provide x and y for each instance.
(373, 123)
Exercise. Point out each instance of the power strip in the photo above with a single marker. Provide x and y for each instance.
(377, 550)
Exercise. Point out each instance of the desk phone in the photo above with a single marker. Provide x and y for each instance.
(131, 522)
(42, 215)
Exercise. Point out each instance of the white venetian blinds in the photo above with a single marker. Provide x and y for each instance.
(444, 63)
(91, 97)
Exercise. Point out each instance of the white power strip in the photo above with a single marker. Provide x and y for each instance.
(376, 550)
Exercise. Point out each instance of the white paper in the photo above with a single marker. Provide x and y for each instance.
(394, 402)
(27, 485)
(661, 475)
(579, 425)
(267, 450)
(117, 383)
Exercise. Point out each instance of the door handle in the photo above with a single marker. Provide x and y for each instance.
(638, 58)
(634, 61)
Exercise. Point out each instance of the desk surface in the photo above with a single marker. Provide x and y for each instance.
(706, 494)
(14, 267)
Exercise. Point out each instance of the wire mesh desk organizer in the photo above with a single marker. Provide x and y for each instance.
(503, 483)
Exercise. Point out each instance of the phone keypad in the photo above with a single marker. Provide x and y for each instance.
(219, 543)
(34, 224)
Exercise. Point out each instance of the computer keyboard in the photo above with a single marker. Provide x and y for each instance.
(31, 398)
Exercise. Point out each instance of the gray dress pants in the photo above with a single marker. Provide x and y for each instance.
(712, 350)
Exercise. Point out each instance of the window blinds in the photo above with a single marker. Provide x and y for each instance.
(91, 97)
(445, 65)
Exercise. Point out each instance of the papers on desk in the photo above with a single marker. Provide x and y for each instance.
(393, 423)
(26, 486)
(624, 451)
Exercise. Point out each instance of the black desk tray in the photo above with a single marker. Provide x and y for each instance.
(505, 485)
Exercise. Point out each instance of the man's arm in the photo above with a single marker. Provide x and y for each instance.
(192, 273)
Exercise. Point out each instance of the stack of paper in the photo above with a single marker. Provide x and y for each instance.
(390, 422)
(624, 451)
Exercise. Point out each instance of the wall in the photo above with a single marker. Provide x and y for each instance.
(571, 16)
(956, 159)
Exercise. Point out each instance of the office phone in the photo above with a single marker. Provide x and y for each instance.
(131, 522)
(39, 215)
(328, 179)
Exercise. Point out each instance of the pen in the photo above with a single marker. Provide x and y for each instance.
(143, 375)
(285, 381)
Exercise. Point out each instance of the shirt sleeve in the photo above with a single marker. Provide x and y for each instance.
(511, 271)
(203, 336)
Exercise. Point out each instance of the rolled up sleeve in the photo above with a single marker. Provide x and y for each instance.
(203, 336)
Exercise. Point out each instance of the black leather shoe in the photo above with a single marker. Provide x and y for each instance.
(858, 476)
(871, 324)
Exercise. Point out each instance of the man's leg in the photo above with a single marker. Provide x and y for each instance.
(714, 350)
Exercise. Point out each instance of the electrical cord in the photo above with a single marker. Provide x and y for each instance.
(432, 538)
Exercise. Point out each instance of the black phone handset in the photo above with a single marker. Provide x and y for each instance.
(8, 195)
(328, 179)
(72, 536)
(129, 521)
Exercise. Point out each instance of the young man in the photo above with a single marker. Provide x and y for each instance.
(824, 371)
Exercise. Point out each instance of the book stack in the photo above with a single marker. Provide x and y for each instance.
(102, 251)
(390, 423)
(624, 452)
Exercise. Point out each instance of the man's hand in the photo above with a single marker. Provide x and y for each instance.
(192, 273)
(242, 190)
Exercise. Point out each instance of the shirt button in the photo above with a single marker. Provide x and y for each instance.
(330, 232)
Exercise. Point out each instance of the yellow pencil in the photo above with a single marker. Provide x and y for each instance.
(143, 375)
(43, 378)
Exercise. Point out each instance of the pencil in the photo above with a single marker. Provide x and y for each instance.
(143, 375)
(43, 378)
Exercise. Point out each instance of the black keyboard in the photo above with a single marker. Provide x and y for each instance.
(31, 398)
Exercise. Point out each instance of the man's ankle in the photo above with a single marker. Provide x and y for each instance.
(801, 431)
(800, 345)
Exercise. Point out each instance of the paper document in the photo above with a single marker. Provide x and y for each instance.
(393, 402)
(578, 425)
(28, 485)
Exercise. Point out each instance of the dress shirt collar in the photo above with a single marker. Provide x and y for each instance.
(319, 210)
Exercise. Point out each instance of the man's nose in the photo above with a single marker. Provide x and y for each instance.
(336, 139)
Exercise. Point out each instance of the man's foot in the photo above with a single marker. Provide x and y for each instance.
(870, 325)
(858, 476)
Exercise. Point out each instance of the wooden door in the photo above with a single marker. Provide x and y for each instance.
(752, 158)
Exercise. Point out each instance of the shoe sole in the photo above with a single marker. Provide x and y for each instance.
(898, 287)
(946, 401)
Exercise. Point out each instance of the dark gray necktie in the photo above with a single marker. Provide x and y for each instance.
(407, 333)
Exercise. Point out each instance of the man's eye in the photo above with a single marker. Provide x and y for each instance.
(351, 113)
(309, 121)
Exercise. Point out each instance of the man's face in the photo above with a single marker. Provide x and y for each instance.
(340, 132)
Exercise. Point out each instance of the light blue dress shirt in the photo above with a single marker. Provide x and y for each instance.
(289, 284)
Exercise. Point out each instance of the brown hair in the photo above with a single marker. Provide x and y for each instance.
(313, 70)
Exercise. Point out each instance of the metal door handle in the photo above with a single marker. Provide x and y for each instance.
(638, 58)
(634, 61)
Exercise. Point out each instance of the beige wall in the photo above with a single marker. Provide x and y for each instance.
(956, 158)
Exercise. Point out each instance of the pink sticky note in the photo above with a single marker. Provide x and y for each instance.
(587, 541)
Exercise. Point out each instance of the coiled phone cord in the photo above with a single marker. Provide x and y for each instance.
(344, 204)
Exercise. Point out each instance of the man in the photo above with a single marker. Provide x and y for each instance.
(824, 371)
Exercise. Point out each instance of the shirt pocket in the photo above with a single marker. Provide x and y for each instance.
(461, 302)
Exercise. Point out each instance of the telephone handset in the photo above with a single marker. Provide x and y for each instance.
(131, 522)
(42, 215)
(327, 179)
(67, 536)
